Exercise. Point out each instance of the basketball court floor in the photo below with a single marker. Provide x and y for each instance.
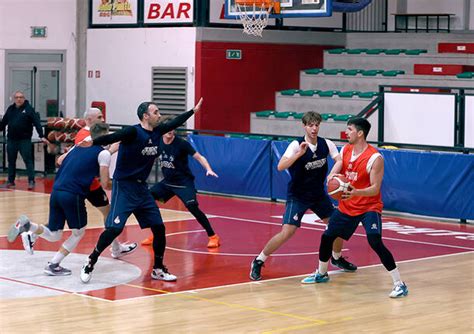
(213, 292)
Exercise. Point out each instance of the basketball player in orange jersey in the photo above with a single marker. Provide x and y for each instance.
(97, 196)
(363, 166)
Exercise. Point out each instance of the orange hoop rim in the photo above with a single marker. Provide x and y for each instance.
(267, 4)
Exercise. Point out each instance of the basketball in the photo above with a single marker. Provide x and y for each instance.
(336, 187)
(58, 123)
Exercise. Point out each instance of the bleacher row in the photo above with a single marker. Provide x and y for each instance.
(351, 78)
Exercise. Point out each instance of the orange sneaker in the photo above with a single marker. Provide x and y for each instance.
(148, 241)
(213, 241)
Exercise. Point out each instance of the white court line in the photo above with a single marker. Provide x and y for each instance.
(335, 272)
(357, 234)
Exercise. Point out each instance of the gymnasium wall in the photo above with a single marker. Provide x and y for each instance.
(125, 66)
(235, 88)
(456, 7)
(59, 16)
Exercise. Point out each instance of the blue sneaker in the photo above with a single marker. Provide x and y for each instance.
(315, 278)
(399, 290)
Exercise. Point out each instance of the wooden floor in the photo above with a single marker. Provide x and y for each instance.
(441, 298)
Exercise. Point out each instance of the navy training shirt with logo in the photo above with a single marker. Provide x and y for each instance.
(174, 161)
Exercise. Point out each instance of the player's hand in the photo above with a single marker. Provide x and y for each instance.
(45, 141)
(349, 193)
(303, 147)
(198, 106)
(332, 176)
(114, 147)
(211, 173)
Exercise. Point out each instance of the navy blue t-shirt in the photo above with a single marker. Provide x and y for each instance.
(78, 170)
(174, 161)
(309, 172)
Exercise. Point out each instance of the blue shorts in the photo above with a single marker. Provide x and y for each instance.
(295, 209)
(65, 206)
(164, 192)
(132, 197)
(344, 226)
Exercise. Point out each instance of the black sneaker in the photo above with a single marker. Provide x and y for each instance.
(255, 269)
(342, 263)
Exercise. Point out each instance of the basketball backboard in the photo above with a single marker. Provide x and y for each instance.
(289, 8)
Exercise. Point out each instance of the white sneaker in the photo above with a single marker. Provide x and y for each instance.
(54, 269)
(399, 290)
(163, 275)
(29, 240)
(125, 249)
(86, 272)
(21, 225)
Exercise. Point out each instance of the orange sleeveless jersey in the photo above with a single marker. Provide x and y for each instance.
(356, 173)
(81, 135)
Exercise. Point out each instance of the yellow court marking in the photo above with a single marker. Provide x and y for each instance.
(314, 322)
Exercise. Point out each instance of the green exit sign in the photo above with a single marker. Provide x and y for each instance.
(233, 54)
(38, 32)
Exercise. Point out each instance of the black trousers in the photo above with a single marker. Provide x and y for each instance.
(25, 148)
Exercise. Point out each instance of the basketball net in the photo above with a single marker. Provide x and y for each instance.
(254, 18)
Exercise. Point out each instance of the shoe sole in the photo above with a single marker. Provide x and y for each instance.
(13, 233)
(50, 273)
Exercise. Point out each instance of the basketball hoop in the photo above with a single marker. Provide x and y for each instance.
(254, 14)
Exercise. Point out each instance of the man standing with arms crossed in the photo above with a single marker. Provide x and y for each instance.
(363, 166)
(137, 152)
(306, 160)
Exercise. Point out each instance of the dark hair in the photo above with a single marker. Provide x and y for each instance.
(311, 117)
(99, 129)
(142, 109)
(361, 124)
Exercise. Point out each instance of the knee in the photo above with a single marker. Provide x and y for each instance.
(375, 241)
(158, 229)
(192, 205)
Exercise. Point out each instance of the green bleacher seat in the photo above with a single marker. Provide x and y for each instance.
(356, 51)
(237, 135)
(313, 71)
(283, 114)
(259, 137)
(374, 51)
(264, 113)
(465, 75)
(331, 71)
(298, 115)
(394, 51)
(371, 73)
(336, 51)
(392, 73)
(347, 94)
(289, 92)
(344, 118)
(310, 92)
(327, 93)
(367, 95)
(327, 116)
(415, 52)
(351, 72)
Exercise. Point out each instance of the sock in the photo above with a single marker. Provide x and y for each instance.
(262, 257)
(335, 255)
(395, 276)
(58, 257)
(323, 267)
(116, 246)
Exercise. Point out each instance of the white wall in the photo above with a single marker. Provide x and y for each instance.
(16, 18)
(471, 15)
(125, 57)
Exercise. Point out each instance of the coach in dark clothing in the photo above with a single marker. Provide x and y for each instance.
(20, 118)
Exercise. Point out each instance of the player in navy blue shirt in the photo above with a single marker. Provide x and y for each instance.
(67, 201)
(178, 180)
(306, 161)
(139, 147)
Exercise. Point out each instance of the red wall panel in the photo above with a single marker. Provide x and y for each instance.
(232, 89)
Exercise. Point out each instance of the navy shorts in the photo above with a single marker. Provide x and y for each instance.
(132, 197)
(164, 192)
(295, 209)
(344, 226)
(98, 197)
(65, 206)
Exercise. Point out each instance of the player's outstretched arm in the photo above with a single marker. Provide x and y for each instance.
(204, 163)
(178, 120)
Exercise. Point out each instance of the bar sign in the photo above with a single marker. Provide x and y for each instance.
(38, 32)
(233, 54)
